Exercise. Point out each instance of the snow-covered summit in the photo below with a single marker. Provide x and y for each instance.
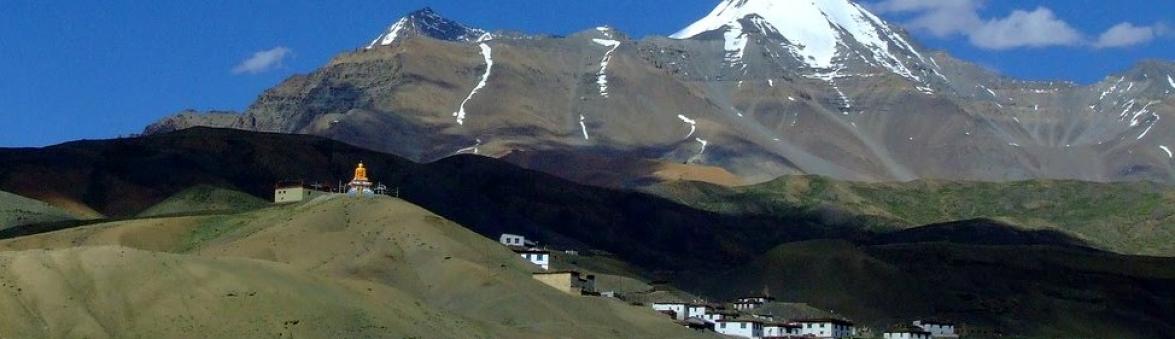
(428, 23)
(818, 32)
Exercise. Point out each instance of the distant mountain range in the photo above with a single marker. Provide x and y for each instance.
(758, 88)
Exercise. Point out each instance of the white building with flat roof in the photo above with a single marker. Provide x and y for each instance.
(826, 328)
(700, 311)
(746, 328)
(938, 329)
(750, 303)
(906, 331)
(515, 240)
(536, 256)
(679, 311)
(780, 330)
(290, 193)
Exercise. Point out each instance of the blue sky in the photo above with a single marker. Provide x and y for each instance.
(74, 69)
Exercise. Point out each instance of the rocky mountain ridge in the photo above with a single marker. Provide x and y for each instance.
(759, 88)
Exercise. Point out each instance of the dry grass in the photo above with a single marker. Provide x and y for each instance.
(330, 268)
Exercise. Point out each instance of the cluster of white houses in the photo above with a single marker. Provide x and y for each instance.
(739, 320)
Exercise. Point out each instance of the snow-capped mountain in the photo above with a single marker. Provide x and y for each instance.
(428, 23)
(757, 88)
(824, 35)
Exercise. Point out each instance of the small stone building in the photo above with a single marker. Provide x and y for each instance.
(295, 192)
(570, 282)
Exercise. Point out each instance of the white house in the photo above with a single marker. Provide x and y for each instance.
(713, 317)
(750, 303)
(938, 329)
(700, 311)
(515, 240)
(679, 311)
(826, 327)
(295, 192)
(906, 332)
(781, 330)
(746, 328)
(536, 256)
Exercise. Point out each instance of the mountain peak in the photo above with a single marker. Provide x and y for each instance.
(815, 31)
(423, 11)
(428, 22)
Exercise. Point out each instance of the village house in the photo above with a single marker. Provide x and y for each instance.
(539, 257)
(515, 240)
(291, 192)
(570, 282)
(750, 303)
(740, 327)
(781, 330)
(906, 331)
(938, 329)
(826, 328)
(678, 311)
(718, 315)
(700, 311)
(711, 314)
(763, 317)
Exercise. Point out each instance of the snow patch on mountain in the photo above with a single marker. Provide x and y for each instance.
(1171, 81)
(1168, 150)
(390, 37)
(816, 29)
(583, 127)
(1111, 89)
(471, 149)
(428, 23)
(1148, 128)
(602, 75)
(693, 125)
(487, 53)
(736, 45)
(704, 143)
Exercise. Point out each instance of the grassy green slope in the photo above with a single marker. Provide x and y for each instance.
(16, 210)
(1133, 218)
(204, 198)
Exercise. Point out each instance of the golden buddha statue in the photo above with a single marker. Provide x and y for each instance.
(360, 173)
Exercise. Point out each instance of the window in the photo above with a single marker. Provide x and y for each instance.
(723, 325)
